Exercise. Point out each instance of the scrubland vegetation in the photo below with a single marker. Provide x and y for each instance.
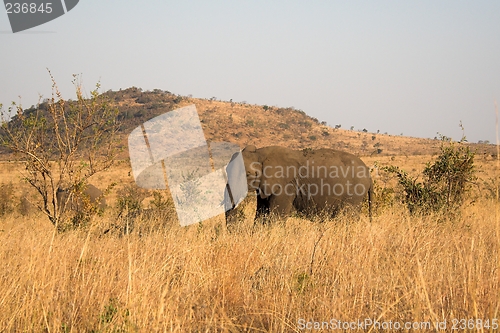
(399, 267)
(430, 254)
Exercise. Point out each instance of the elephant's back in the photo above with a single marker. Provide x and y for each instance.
(336, 157)
(322, 156)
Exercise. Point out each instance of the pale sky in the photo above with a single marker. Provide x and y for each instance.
(411, 67)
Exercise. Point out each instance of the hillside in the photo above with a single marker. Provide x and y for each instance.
(263, 125)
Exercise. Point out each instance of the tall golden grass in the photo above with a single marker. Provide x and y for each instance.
(265, 279)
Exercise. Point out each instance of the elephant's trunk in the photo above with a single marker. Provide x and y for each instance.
(370, 196)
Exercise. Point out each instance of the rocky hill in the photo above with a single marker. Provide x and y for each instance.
(263, 125)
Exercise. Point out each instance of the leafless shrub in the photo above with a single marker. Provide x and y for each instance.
(65, 142)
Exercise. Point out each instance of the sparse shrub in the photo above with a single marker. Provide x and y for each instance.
(78, 208)
(139, 114)
(250, 122)
(115, 317)
(127, 114)
(265, 107)
(492, 187)
(6, 198)
(159, 202)
(303, 282)
(68, 141)
(144, 99)
(283, 125)
(384, 197)
(109, 312)
(313, 138)
(325, 133)
(130, 199)
(445, 182)
(307, 151)
(155, 105)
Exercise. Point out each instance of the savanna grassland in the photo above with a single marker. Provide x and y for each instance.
(289, 276)
(277, 278)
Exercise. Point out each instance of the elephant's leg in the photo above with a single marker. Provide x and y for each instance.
(262, 210)
(281, 205)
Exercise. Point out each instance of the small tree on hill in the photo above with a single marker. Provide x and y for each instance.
(62, 143)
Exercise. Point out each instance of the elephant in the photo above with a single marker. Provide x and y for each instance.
(94, 195)
(308, 181)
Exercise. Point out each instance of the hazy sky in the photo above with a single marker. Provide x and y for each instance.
(411, 67)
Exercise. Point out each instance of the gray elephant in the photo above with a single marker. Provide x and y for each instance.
(308, 181)
(92, 193)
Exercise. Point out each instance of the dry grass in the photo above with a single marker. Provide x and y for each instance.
(202, 278)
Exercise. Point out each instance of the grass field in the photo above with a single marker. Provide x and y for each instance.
(278, 278)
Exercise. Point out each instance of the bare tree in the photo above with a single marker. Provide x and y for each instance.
(61, 142)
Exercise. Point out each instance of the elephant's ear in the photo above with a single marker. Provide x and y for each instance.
(250, 149)
(270, 178)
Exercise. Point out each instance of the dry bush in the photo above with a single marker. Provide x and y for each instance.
(445, 182)
(6, 198)
(200, 278)
(133, 215)
(61, 143)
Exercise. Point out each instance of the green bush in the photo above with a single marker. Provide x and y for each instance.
(445, 182)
